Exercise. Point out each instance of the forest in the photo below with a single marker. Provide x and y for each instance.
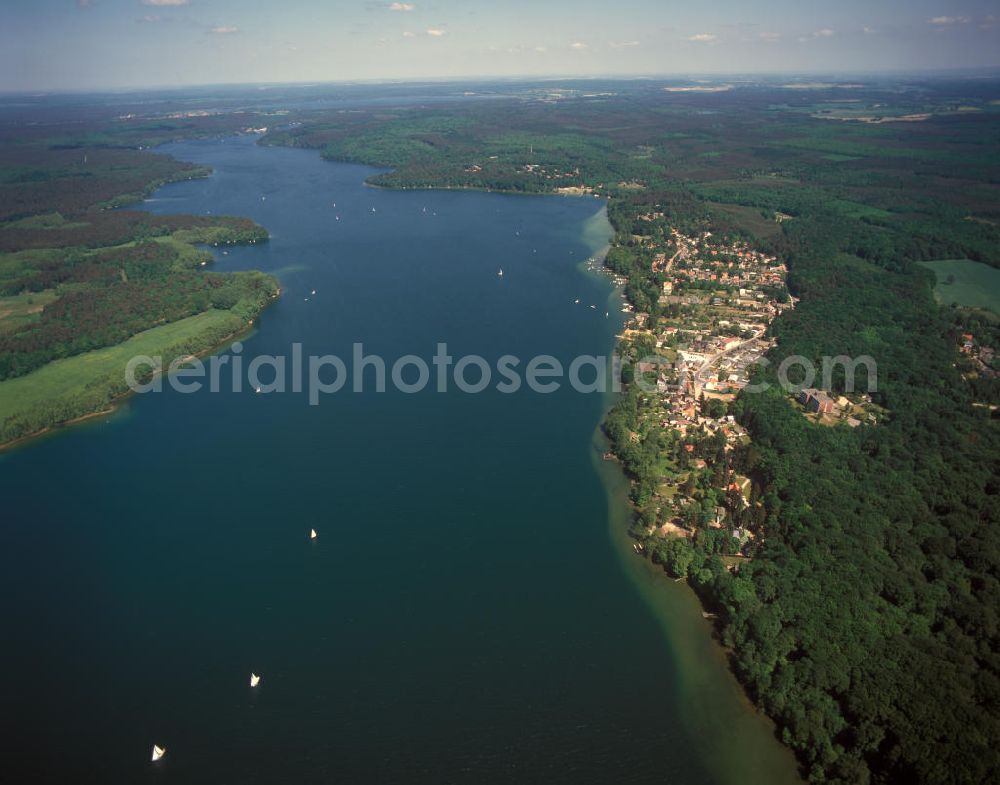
(866, 620)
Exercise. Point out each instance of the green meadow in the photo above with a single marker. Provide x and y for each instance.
(967, 283)
(79, 385)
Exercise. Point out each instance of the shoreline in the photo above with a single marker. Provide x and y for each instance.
(647, 579)
(715, 702)
(116, 401)
(473, 188)
(652, 582)
(670, 604)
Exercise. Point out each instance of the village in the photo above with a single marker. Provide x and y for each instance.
(717, 298)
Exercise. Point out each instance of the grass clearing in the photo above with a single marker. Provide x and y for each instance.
(20, 309)
(749, 218)
(967, 283)
(64, 378)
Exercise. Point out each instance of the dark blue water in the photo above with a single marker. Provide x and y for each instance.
(461, 617)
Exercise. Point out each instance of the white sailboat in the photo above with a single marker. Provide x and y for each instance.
(158, 752)
(254, 679)
(312, 534)
(500, 274)
(313, 292)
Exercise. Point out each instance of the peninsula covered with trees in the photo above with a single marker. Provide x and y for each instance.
(84, 286)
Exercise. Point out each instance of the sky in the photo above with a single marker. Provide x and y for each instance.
(50, 45)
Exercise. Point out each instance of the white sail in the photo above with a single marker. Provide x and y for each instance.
(312, 534)
(158, 752)
(500, 273)
(254, 679)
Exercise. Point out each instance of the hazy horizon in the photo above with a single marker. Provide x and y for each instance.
(88, 45)
(992, 72)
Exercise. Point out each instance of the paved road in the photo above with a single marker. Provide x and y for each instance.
(707, 365)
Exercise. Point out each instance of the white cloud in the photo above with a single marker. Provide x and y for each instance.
(949, 20)
(620, 44)
(409, 34)
(84, 3)
(150, 19)
(826, 32)
(166, 2)
(435, 32)
(703, 38)
(578, 45)
(770, 36)
(868, 30)
(541, 49)
(401, 7)
(224, 30)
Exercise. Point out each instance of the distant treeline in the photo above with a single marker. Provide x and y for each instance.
(117, 227)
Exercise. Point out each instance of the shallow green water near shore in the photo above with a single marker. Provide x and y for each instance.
(467, 613)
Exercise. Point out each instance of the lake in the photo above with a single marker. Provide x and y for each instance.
(470, 610)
